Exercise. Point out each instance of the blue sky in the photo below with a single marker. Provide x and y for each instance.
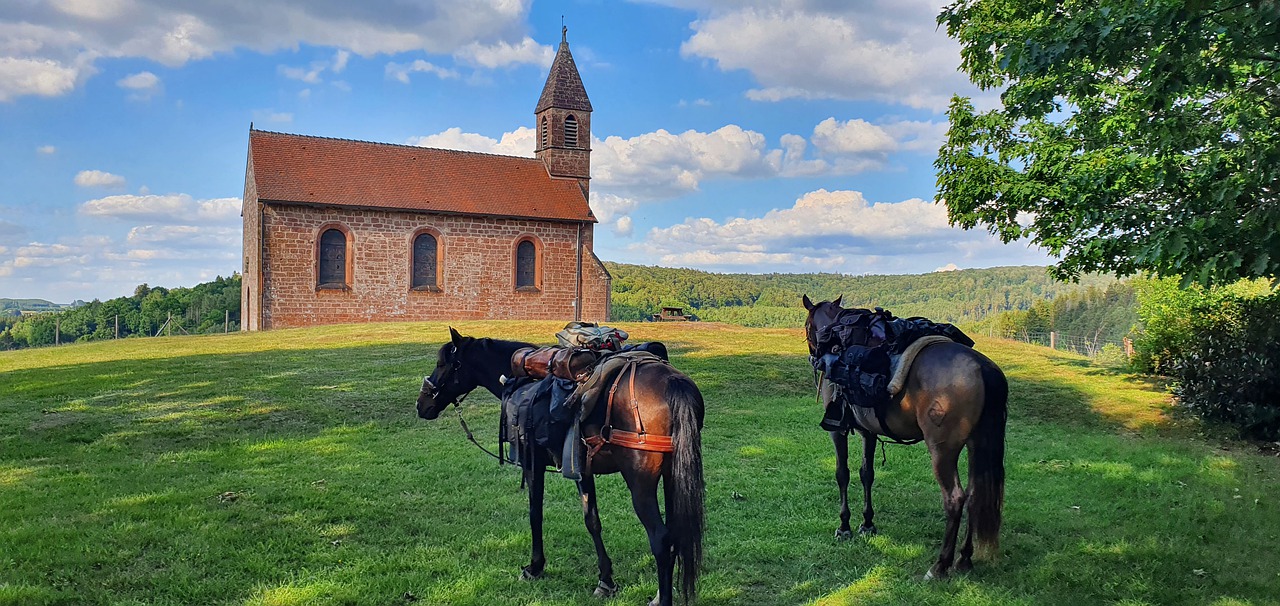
(748, 136)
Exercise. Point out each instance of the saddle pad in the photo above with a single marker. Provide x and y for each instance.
(903, 363)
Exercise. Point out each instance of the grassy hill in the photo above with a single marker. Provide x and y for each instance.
(289, 468)
(7, 305)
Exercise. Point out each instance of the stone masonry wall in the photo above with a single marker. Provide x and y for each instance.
(477, 276)
(250, 274)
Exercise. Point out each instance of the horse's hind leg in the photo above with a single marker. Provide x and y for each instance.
(965, 563)
(841, 441)
(867, 473)
(591, 517)
(945, 470)
(643, 484)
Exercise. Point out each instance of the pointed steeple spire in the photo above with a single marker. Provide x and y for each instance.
(564, 88)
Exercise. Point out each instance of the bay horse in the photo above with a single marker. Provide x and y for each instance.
(953, 397)
(665, 403)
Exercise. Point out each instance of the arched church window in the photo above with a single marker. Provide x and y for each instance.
(545, 133)
(570, 131)
(425, 262)
(333, 259)
(526, 265)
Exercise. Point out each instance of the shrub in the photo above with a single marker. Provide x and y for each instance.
(1172, 318)
(1112, 356)
(1229, 370)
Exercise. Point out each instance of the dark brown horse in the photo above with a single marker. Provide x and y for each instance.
(953, 397)
(666, 403)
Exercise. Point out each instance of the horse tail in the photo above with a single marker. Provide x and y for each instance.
(685, 508)
(986, 462)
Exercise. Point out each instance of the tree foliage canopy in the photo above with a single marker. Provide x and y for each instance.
(1135, 135)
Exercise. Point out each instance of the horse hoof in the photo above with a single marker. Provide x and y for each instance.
(528, 574)
(935, 576)
(865, 530)
(605, 591)
(844, 535)
(964, 566)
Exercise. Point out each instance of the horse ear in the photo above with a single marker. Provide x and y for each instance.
(837, 301)
(454, 336)
(807, 303)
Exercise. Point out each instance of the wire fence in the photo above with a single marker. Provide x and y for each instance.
(1086, 346)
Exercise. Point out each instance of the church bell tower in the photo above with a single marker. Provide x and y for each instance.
(563, 120)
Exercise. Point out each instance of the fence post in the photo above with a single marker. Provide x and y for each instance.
(117, 326)
(57, 330)
(1128, 348)
(1053, 339)
(226, 321)
(169, 325)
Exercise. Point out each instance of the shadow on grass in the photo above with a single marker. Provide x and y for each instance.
(303, 477)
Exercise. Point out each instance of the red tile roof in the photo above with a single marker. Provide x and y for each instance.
(318, 170)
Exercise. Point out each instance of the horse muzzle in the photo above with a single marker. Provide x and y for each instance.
(428, 407)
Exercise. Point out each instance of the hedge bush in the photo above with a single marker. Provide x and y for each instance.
(1229, 370)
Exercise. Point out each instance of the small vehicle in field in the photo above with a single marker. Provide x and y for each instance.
(672, 314)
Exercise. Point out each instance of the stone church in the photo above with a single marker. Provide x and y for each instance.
(340, 231)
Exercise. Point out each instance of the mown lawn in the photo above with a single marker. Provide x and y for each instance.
(289, 468)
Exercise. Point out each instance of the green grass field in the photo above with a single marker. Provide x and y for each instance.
(290, 468)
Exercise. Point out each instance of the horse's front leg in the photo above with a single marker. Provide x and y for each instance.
(868, 475)
(841, 441)
(537, 481)
(591, 517)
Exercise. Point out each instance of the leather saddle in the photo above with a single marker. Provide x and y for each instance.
(574, 364)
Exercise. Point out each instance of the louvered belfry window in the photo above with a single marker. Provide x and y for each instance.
(424, 261)
(333, 259)
(570, 132)
(545, 133)
(526, 265)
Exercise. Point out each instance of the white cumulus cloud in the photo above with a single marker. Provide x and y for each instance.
(830, 231)
(46, 150)
(890, 52)
(97, 178)
(519, 142)
(139, 81)
(143, 85)
(852, 137)
(41, 77)
(48, 48)
(176, 209)
(400, 71)
(503, 53)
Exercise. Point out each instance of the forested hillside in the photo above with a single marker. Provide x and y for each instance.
(1097, 306)
(964, 296)
(208, 307)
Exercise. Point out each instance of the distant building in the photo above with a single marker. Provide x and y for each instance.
(339, 231)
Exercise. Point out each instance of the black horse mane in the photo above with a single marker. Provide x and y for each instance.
(487, 344)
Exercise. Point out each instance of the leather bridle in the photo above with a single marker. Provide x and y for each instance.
(432, 390)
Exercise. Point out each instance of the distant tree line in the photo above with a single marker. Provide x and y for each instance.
(1092, 314)
(773, 300)
(204, 308)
